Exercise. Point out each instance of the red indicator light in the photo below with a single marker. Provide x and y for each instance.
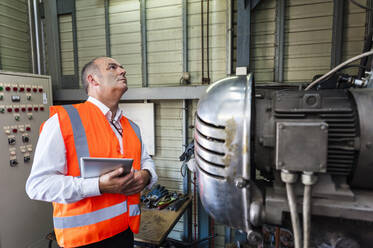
(16, 110)
(15, 89)
(28, 128)
(41, 108)
(28, 89)
(34, 89)
(10, 110)
(14, 130)
(21, 89)
(7, 88)
(40, 90)
(23, 109)
(36, 109)
(29, 109)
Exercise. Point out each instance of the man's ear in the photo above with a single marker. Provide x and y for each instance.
(92, 80)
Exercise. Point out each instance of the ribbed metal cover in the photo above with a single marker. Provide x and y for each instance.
(222, 150)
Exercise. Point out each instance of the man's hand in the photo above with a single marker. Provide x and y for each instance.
(111, 182)
(141, 179)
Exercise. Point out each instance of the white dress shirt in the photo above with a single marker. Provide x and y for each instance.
(48, 180)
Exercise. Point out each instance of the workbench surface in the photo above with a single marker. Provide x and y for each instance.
(157, 224)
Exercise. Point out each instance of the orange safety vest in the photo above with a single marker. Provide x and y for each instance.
(87, 133)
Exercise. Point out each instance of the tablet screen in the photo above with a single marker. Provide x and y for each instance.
(95, 167)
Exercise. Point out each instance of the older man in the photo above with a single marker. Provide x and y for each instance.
(94, 212)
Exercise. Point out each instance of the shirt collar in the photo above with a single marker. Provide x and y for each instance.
(105, 110)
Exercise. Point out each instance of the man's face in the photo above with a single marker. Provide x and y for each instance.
(113, 77)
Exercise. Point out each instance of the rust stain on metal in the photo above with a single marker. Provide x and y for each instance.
(230, 130)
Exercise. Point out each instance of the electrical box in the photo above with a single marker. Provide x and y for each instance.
(24, 105)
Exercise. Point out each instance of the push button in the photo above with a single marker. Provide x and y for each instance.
(11, 141)
(25, 139)
(13, 162)
(26, 159)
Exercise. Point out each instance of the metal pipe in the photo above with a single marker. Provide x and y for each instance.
(37, 35)
(294, 215)
(31, 27)
(280, 34)
(144, 52)
(42, 30)
(207, 40)
(202, 44)
(107, 28)
(185, 36)
(229, 38)
(307, 216)
(75, 46)
(186, 179)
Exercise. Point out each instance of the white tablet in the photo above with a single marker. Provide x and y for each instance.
(94, 167)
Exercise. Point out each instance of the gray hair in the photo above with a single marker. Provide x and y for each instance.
(89, 68)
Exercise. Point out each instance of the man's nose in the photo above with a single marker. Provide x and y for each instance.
(122, 71)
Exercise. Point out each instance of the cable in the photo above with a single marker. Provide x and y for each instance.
(343, 68)
(338, 67)
(308, 179)
(307, 216)
(361, 6)
(290, 178)
(294, 215)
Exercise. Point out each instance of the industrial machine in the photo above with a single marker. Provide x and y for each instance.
(262, 152)
(24, 105)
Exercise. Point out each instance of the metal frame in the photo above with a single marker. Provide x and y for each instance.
(203, 224)
(144, 51)
(65, 7)
(254, 3)
(227, 235)
(32, 34)
(229, 37)
(369, 18)
(53, 42)
(75, 47)
(37, 30)
(243, 33)
(186, 180)
(107, 29)
(159, 93)
(337, 33)
(185, 35)
(280, 40)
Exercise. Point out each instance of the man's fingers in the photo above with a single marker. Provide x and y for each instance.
(115, 173)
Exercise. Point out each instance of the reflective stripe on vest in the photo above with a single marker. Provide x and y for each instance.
(80, 138)
(90, 218)
(136, 129)
(134, 210)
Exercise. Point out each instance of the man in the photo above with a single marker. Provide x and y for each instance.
(94, 212)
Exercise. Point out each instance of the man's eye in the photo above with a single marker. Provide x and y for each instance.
(112, 67)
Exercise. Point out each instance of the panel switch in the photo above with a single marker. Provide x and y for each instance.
(26, 159)
(12, 141)
(25, 139)
(13, 162)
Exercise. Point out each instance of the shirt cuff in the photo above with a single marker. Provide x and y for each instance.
(90, 187)
(154, 177)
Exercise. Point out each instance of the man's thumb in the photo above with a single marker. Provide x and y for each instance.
(115, 173)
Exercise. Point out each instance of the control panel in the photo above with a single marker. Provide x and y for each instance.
(24, 103)
(24, 106)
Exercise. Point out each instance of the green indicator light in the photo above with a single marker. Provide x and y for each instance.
(1, 88)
